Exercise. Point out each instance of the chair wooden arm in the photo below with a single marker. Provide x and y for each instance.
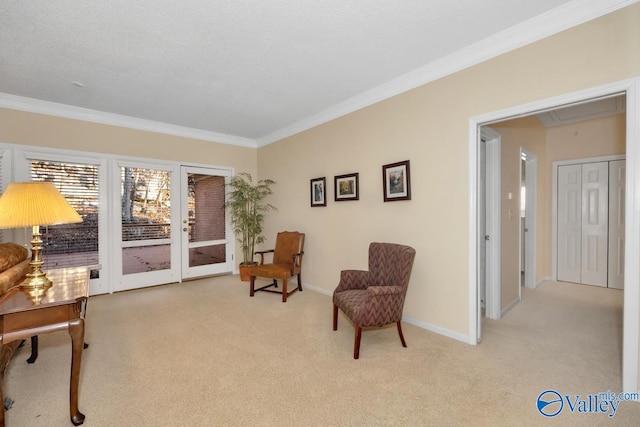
(261, 253)
(297, 259)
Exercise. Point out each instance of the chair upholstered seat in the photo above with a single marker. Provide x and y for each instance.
(273, 271)
(375, 297)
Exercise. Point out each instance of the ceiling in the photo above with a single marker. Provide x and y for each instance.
(250, 72)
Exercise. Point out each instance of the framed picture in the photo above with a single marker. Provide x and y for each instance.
(318, 192)
(396, 181)
(346, 187)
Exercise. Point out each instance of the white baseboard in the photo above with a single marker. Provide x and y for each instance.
(437, 329)
(424, 325)
(509, 307)
(544, 279)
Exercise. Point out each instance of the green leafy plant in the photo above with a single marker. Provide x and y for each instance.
(247, 208)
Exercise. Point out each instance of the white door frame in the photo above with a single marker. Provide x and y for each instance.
(531, 196)
(631, 313)
(554, 201)
(492, 205)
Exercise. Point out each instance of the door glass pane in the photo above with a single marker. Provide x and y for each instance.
(206, 219)
(143, 259)
(71, 245)
(205, 255)
(146, 218)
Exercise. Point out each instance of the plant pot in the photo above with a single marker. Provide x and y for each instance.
(245, 271)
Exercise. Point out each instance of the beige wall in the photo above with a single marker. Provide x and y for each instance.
(18, 127)
(429, 125)
(529, 133)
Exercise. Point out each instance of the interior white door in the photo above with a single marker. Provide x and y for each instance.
(595, 223)
(531, 179)
(482, 225)
(569, 217)
(617, 172)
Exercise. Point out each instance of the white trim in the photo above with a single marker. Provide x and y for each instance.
(531, 218)
(420, 324)
(510, 306)
(631, 315)
(547, 24)
(566, 16)
(78, 113)
(437, 329)
(554, 201)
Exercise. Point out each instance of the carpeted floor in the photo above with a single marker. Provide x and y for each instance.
(203, 353)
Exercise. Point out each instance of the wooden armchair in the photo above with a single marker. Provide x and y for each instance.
(287, 262)
(375, 297)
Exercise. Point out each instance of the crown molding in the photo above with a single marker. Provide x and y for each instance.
(554, 21)
(78, 113)
(547, 24)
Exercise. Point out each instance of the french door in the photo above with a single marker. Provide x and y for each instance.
(205, 232)
(146, 223)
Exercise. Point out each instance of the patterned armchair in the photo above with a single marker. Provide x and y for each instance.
(375, 297)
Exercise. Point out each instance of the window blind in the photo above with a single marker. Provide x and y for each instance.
(70, 245)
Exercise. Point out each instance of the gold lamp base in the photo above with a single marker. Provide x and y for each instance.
(36, 279)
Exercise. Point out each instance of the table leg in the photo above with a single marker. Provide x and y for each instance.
(1, 404)
(34, 349)
(76, 330)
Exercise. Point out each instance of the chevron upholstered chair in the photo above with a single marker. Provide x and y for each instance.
(375, 297)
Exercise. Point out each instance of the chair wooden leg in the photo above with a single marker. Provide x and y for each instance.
(335, 317)
(299, 283)
(275, 283)
(404, 344)
(356, 346)
(252, 286)
(284, 288)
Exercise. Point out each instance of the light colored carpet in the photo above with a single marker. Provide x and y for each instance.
(203, 353)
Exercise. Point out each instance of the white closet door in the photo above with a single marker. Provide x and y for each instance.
(595, 223)
(616, 223)
(569, 222)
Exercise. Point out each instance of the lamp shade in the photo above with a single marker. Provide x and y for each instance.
(27, 204)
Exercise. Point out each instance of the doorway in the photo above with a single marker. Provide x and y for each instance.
(630, 88)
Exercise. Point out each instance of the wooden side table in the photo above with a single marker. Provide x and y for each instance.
(61, 308)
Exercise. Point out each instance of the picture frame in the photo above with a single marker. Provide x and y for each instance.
(318, 192)
(346, 187)
(396, 181)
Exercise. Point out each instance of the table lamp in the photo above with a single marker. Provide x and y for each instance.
(32, 204)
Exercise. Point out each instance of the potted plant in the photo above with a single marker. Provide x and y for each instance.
(247, 206)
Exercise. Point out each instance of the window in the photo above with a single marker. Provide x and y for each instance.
(70, 245)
